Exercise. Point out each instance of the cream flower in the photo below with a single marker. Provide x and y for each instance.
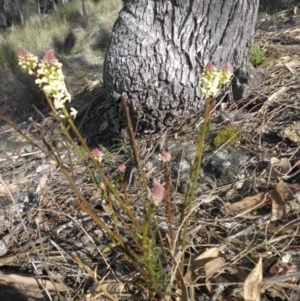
(211, 79)
(98, 155)
(53, 81)
(26, 60)
(73, 113)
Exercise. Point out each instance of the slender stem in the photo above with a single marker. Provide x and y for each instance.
(148, 251)
(65, 131)
(135, 148)
(146, 240)
(124, 188)
(106, 181)
(192, 184)
(136, 227)
(10, 123)
(133, 236)
(49, 101)
(146, 226)
(86, 208)
(113, 214)
(169, 207)
(92, 275)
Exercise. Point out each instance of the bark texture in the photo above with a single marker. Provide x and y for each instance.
(158, 49)
(3, 22)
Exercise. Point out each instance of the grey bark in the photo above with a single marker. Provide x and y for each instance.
(3, 22)
(20, 7)
(54, 5)
(157, 52)
(38, 7)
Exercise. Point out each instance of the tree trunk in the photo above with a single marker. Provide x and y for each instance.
(157, 52)
(20, 7)
(38, 7)
(3, 22)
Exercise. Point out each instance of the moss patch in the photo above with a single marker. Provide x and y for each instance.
(230, 134)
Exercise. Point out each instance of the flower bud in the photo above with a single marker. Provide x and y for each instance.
(98, 155)
(165, 157)
(225, 74)
(157, 194)
(211, 79)
(26, 60)
(122, 168)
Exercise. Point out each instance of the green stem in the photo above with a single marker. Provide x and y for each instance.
(113, 214)
(169, 207)
(65, 131)
(96, 163)
(148, 252)
(146, 226)
(92, 275)
(192, 184)
(124, 188)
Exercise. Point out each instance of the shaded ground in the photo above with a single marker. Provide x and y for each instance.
(41, 226)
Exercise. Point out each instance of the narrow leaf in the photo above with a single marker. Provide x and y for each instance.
(253, 282)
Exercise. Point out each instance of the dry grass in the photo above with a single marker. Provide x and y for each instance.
(70, 34)
(37, 36)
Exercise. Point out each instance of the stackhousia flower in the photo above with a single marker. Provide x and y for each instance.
(27, 61)
(53, 81)
(211, 79)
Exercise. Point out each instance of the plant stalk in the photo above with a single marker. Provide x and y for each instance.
(192, 185)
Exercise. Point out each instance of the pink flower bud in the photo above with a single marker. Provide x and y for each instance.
(210, 66)
(227, 68)
(122, 168)
(26, 60)
(165, 157)
(23, 53)
(157, 194)
(97, 154)
(225, 74)
(49, 57)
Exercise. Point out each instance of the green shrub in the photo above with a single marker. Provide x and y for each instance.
(256, 57)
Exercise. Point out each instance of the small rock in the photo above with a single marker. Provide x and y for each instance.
(227, 165)
(291, 132)
(245, 81)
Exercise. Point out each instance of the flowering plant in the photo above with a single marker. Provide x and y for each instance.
(212, 79)
(49, 76)
(148, 249)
